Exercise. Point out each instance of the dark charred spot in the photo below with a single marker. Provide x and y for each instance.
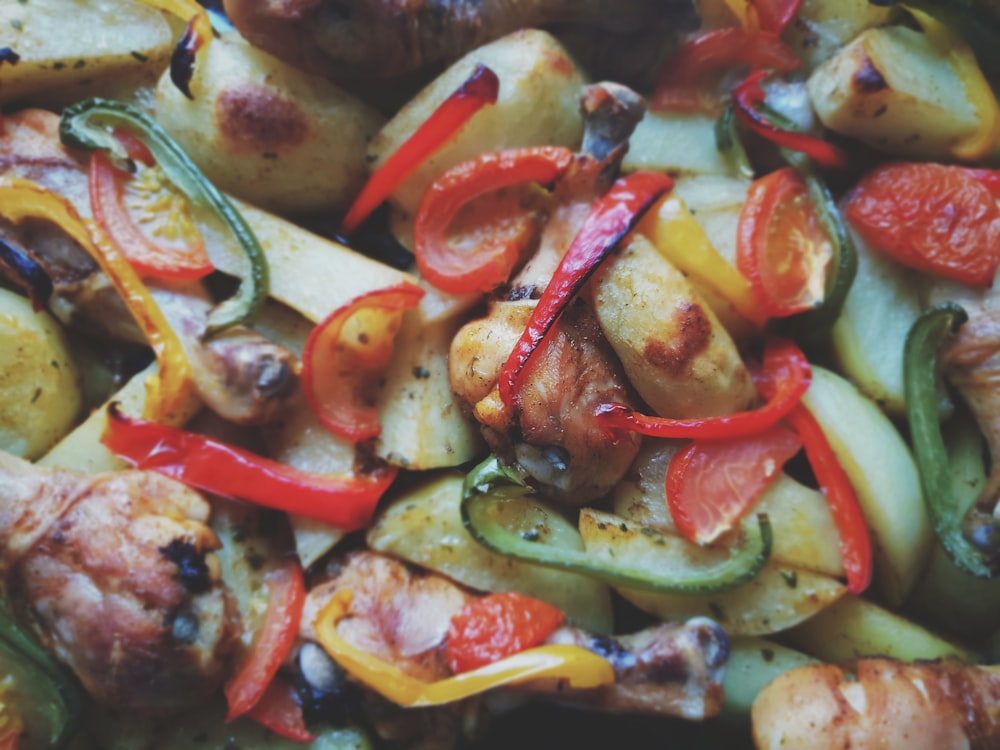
(274, 377)
(8, 55)
(183, 627)
(192, 572)
(868, 79)
(256, 119)
(675, 356)
(519, 293)
(670, 668)
(610, 649)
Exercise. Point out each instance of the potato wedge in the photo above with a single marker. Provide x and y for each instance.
(869, 336)
(894, 90)
(754, 662)
(71, 49)
(884, 475)
(779, 597)
(424, 526)
(539, 91)
(40, 389)
(676, 143)
(822, 27)
(854, 627)
(268, 133)
(716, 203)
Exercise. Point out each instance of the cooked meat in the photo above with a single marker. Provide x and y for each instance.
(880, 703)
(381, 38)
(116, 572)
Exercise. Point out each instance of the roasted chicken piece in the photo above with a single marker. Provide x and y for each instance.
(403, 616)
(345, 39)
(880, 703)
(240, 375)
(115, 572)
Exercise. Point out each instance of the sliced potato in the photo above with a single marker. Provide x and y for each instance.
(40, 388)
(779, 597)
(804, 532)
(716, 202)
(869, 335)
(676, 143)
(754, 662)
(424, 526)
(538, 104)
(884, 476)
(896, 91)
(854, 627)
(269, 133)
(310, 274)
(822, 27)
(71, 49)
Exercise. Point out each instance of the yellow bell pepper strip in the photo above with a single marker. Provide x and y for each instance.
(89, 125)
(492, 494)
(170, 390)
(197, 34)
(977, 89)
(579, 667)
(672, 229)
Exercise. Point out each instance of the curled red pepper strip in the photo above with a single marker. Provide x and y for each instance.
(279, 711)
(286, 598)
(784, 365)
(346, 501)
(682, 86)
(478, 90)
(612, 217)
(345, 354)
(492, 261)
(748, 94)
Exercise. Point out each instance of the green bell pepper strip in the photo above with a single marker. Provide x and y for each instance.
(728, 142)
(88, 125)
(489, 486)
(55, 694)
(920, 384)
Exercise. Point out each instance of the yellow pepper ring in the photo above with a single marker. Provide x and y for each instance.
(578, 666)
(169, 392)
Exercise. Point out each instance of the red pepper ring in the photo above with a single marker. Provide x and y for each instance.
(286, 594)
(346, 501)
(784, 365)
(478, 90)
(611, 218)
(491, 263)
(682, 84)
(748, 94)
(345, 354)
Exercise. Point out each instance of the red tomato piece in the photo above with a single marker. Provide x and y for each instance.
(711, 485)
(781, 247)
(932, 217)
(149, 225)
(286, 598)
(496, 626)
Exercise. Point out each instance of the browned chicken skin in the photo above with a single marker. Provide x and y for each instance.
(381, 38)
(115, 572)
(240, 375)
(880, 703)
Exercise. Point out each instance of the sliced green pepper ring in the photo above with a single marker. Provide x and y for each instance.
(87, 126)
(499, 515)
(920, 383)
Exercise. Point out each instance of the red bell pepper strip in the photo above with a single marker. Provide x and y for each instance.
(711, 485)
(936, 218)
(346, 501)
(784, 365)
(855, 541)
(684, 84)
(612, 217)
(496, 626)
(748, 94)
(490, 264)
(286, 597)
(478, 90)
(345, 354)
(182, 259)
(781, 246)
(279, 711)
